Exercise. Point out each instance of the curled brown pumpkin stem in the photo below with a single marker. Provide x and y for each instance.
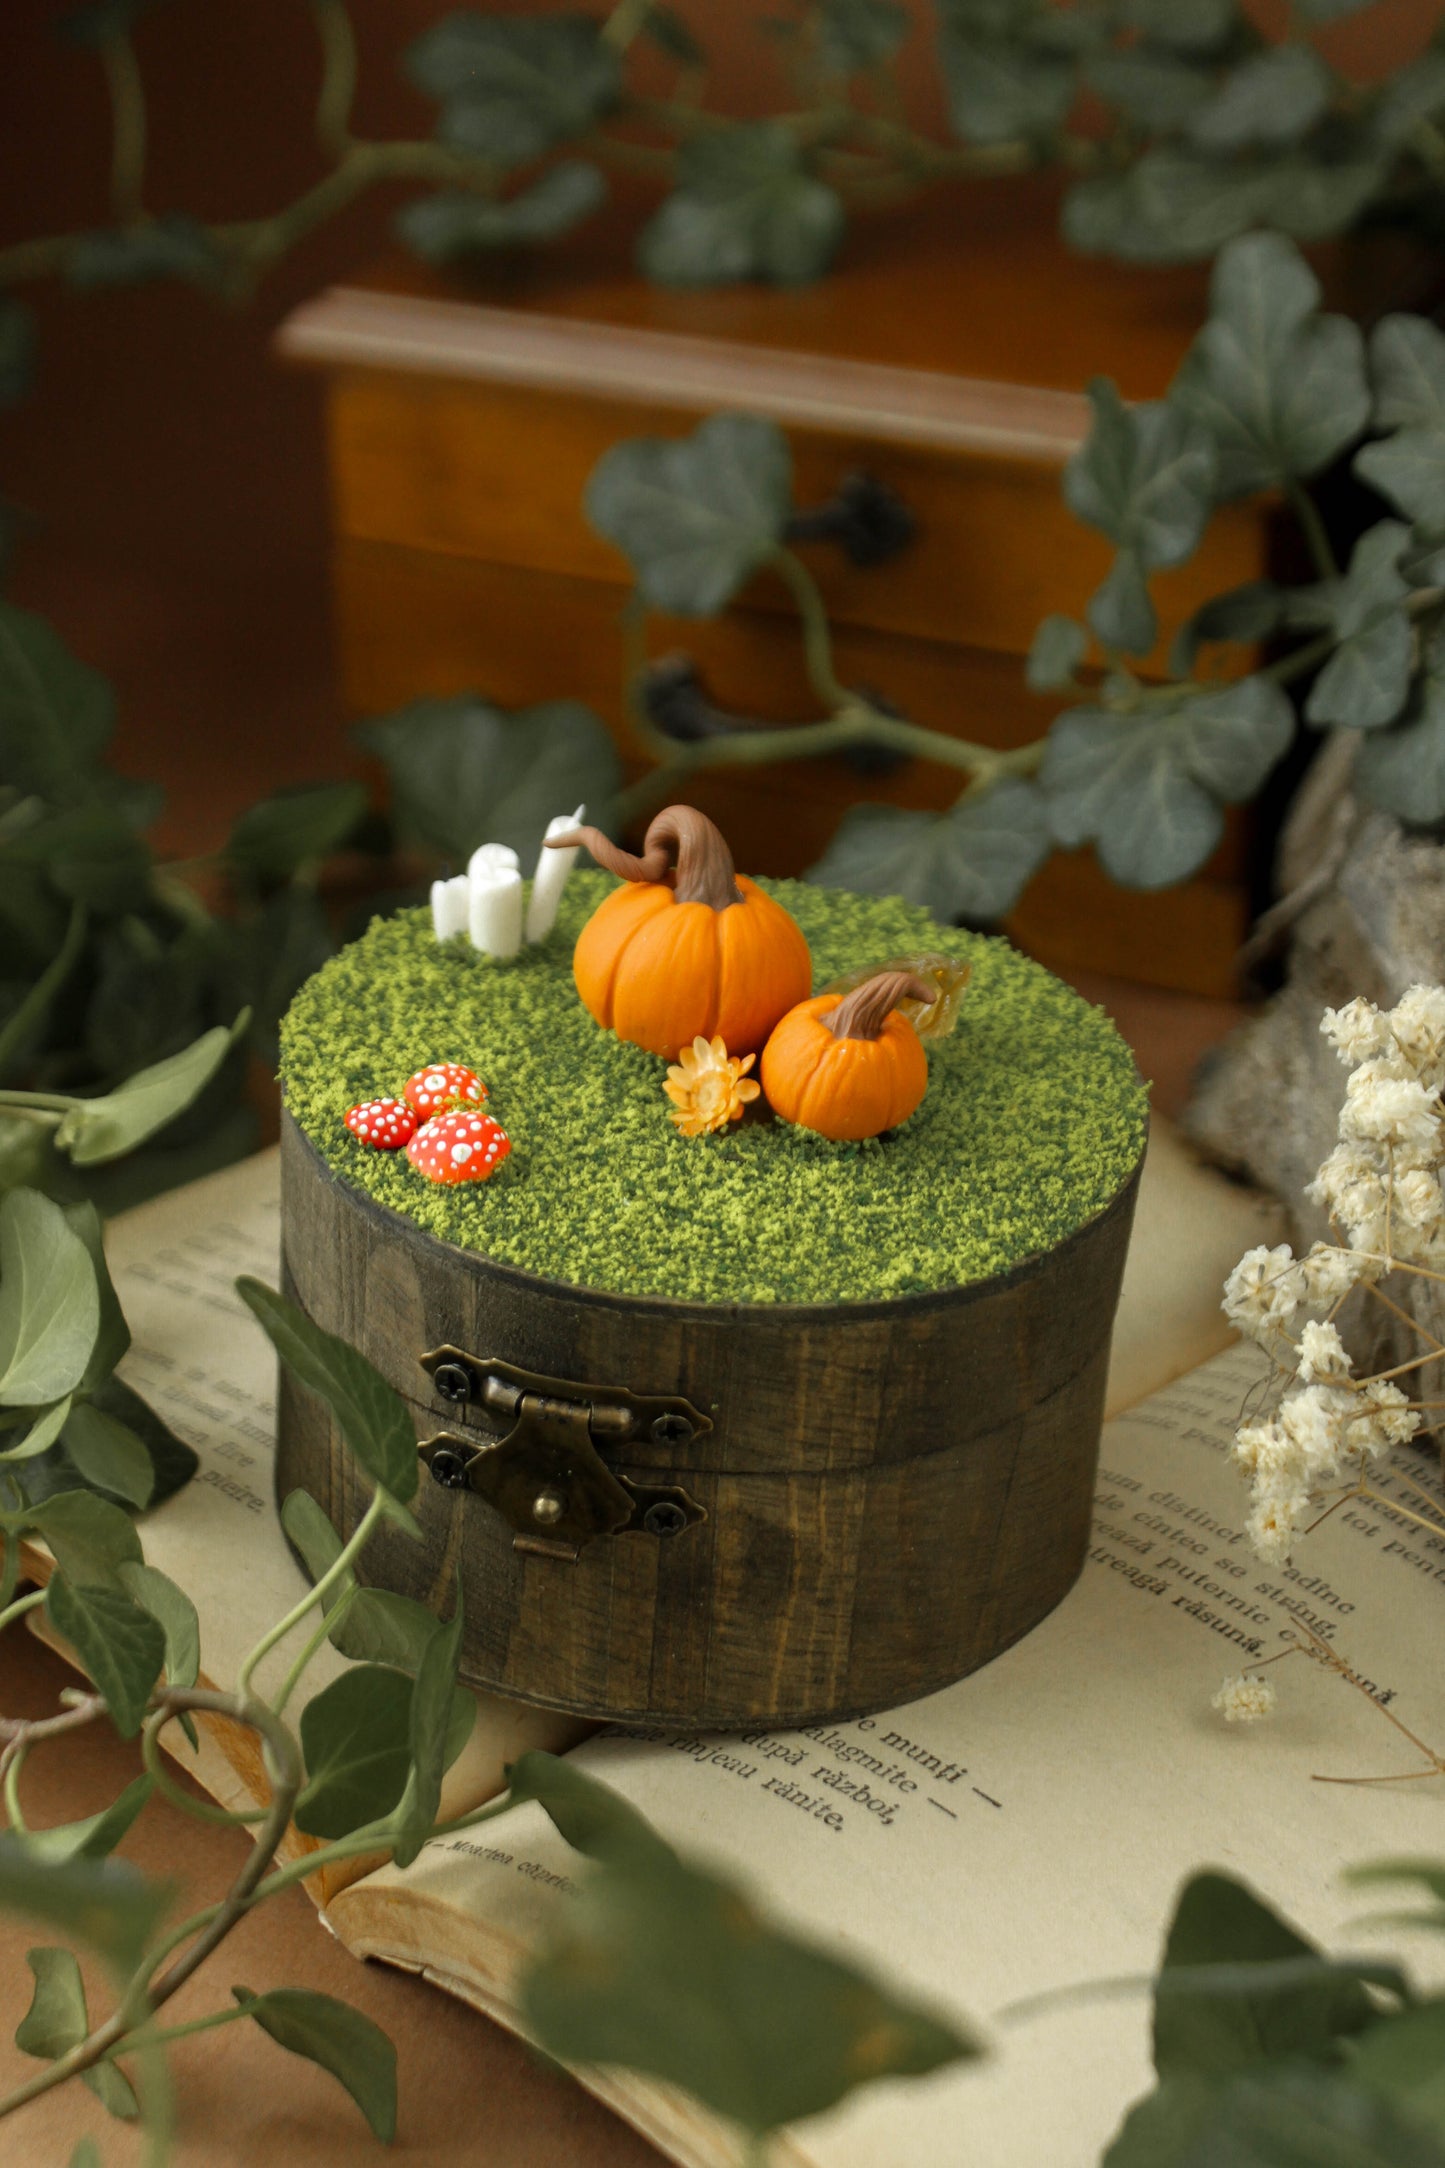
(678, 836)
(863, 1013)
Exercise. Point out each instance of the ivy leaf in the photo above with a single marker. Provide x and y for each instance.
(458, 223)
(356, 1737)
(594, 1820)
(372, 1418)
(1366, 681)
(1154, 90)
(120, 1646)
(1171, 206)
(1274, 97)
(1407, 366)
(1411, 95)
(91, 855)
(1402, 769)
(513, 86)
(854, 35)
(98, 1834)
(91, 1538)
(972, 862)
(96, 1130)
(1280, 388)
(1148, 791)
(1280, 2010)
(660, 1968)
(1309, 2119)
(173, 1462)
(17, 350)
(1311, 196)
(1120, 611)
(275, 952)
(1144, 476)
(378, 1626)
(42, 1434)
(173, 1612)
(272, 841)
(173, 247)
(745, 206)
(432, 1708)
(1403, 2059)
(56, 714)
(104, 1903)
(57, 2021)
(695, 516)
(464, 772)
(1184, 26)
(1407, 369)
(49, 1302)
(1247, 613)
(1055, 652)
(113, 1336)
(997, 88)
(108, 1454)
(339, 2039)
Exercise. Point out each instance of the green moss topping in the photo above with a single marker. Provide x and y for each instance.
(1033, 1120)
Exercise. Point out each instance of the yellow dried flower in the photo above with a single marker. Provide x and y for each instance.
(708, 1088)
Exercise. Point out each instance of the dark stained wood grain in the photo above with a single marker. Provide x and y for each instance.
(894, 1491)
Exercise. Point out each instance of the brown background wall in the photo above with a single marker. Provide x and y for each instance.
(169, 474)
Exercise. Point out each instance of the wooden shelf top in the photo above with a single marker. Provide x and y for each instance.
(962, 321)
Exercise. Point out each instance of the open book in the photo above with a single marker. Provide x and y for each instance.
(1025, 1829)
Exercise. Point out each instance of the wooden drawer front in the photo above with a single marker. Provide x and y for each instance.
(496, 473)
(413, 625)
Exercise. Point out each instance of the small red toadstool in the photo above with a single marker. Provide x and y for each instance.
(443, 1084)
(384, 1124)
(459, 1147)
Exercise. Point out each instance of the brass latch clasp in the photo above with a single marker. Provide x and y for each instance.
(546, 1476)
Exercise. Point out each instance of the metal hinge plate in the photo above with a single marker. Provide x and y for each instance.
(546, 1477)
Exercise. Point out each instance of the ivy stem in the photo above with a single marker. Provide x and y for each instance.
(18, 1609)
(36, 1004)
(162, 2035)
(204, 1810)
(14, 1763)
(817, 633)
(1308, 513)
(330, 1620)
(335, 1573)
(338, 75)
(128, 130)
(144, 1996)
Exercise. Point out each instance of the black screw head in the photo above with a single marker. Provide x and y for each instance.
(671, 1429)
(449, 1468)
(452, 1381)
(663, 1518)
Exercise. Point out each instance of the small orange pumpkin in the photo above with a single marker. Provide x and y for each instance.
(695, 952)
(849, 1066)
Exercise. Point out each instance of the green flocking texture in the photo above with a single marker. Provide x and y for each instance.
(1033, 1120)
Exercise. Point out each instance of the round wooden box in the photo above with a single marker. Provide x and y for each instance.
(698, 1515)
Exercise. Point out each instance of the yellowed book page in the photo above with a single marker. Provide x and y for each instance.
(1030, 1826)
(204, 1364)
(1191, 1226)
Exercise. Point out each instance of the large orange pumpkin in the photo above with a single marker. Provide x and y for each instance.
(689, 951)
(849, 1066)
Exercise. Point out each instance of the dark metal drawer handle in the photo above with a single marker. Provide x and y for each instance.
(546, 1477)
(869, 521)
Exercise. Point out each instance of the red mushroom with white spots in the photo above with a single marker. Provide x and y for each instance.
(443, 1084)
(459, 1146)
(384, 1124)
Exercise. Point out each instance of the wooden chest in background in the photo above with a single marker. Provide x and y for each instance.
(946, 356)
